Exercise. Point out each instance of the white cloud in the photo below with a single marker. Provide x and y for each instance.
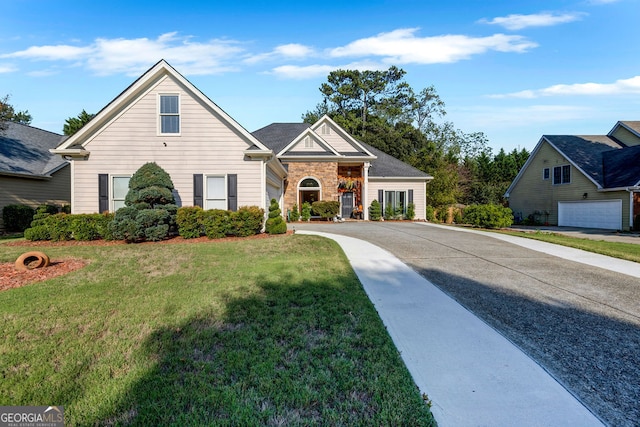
(403, 47)
(619, 87)
(133, 56)
(7, 68)
(518, 22)
(302, 72)
(288, 51)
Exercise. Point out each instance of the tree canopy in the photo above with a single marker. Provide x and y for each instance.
(381, 109)
(74, 124)
(9, 114)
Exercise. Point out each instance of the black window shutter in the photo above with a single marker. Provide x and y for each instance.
(381, 200)
(232, 192)
(103, 192)
(410, 196)
(197, 190)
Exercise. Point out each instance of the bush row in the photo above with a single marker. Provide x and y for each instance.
(64, 226)
(192, 222)
(19, 217)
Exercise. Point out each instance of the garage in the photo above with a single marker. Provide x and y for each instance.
(606, 214)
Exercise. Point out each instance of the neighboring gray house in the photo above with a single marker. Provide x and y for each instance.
(29, 173)
(590, 181)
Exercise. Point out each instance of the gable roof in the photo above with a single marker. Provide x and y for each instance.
(24, 151)
(75, 145)
(278, 136)
(603, 159)
(585, 152)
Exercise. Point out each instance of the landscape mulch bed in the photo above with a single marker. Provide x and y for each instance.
(11, 278)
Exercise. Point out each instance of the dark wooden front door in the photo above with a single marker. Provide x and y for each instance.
(347, 204)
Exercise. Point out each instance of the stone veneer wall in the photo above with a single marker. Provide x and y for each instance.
(326, 173)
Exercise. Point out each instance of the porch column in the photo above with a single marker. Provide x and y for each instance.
(365, 190)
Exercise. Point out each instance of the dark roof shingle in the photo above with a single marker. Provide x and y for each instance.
(277, 136)
(24, 150)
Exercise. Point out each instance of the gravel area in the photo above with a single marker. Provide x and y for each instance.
(581, 323)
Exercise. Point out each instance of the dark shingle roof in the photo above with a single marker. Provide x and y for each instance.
(277, 136)
(24, 150)
(388, 166)
(603, 159)
(622, 167)
(585, 152)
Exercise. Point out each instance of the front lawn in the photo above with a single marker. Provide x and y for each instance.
(627, 251)
(273, 331)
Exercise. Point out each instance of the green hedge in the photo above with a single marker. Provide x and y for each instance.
(217, 223)
(326, 208)
(17, 217)
(488, 216)
(148, 224)
(63, 226)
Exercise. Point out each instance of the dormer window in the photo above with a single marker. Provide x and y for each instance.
(324, 129)
(308, 142)
(169, 114)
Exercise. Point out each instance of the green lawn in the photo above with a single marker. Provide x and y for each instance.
(274, 331)
(628, 251)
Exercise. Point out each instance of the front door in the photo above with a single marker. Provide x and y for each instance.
(347, 204)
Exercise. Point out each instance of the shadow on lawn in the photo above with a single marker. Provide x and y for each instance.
(594, 356)
(310, 353)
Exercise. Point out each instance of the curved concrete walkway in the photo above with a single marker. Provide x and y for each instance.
(473, 375)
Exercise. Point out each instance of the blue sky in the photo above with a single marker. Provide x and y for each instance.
(512, 70)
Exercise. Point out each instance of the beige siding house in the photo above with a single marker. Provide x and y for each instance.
(324, 162)
(215, 163)
(163, 118)
(581, 181)
(29, 174)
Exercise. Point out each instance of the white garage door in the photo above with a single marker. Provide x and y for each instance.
(605, 214)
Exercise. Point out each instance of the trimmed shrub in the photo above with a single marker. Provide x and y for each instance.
(488, 216)
(411, 211)
(275, 223)
(39, 232)
(389, 213)
(63, 226)
(375, 213)
(17, 217)
(326, 208)
(294, 215)
(217, 223)
(305, 213)
(189, 221)
(247, 221)
(150, 189)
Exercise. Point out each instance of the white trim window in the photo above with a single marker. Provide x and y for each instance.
(308, 142)
(119, 190)
(216, 192)
(169, 114)
(562, 175)
(395, 200)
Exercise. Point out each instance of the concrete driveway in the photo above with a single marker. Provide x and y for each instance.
(580, 323)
